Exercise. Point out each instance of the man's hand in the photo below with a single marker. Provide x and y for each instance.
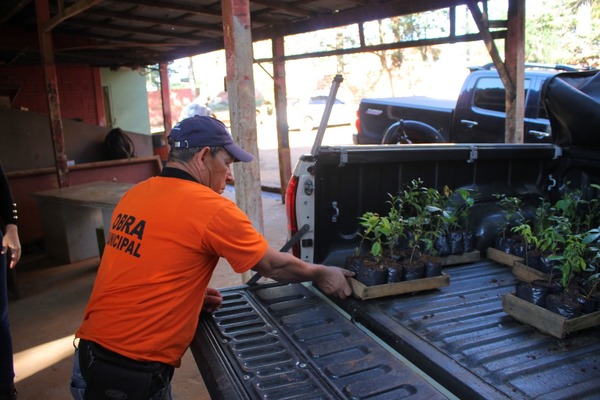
(212, 300)
(11, 243)
(334, 281)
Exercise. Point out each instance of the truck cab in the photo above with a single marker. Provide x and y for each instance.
(478, 115)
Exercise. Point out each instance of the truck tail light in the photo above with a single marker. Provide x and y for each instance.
(357, 123)
(290, 210)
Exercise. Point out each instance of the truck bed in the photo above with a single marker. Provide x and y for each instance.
(285, 341)
(460, 335)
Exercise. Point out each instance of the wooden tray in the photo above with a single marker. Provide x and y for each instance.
(463, 258)
(544, 320)
(528, 274)
(501, 257)
(364, 292)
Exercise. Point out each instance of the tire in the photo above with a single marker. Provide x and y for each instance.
(408, 132)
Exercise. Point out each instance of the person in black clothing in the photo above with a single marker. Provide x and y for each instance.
(11, 248)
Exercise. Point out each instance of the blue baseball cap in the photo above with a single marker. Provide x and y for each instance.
(201, 131)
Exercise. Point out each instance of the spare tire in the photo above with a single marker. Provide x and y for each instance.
(408, 132)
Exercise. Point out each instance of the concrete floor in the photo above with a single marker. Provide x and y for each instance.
(51, 304)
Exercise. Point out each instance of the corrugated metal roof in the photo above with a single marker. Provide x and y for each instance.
(113, 33)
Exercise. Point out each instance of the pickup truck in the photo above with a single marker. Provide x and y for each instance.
(477, 116)
(289, 341)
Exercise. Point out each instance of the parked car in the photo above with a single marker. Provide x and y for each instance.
(305, 113)
(219, 108)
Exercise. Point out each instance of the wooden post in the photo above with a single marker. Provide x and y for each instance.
(283, 142)
(514, 59)
(242, 107)
(165, 97)
(482, 22)
(56, 128)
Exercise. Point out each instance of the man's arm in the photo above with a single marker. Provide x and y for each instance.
(284, 267)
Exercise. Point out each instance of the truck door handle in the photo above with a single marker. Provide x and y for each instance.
(468, 123)
(336, 211)
(539, 134)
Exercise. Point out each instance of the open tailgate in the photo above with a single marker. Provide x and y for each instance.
(287, 342)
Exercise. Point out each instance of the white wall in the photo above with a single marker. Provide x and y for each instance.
(128, 99)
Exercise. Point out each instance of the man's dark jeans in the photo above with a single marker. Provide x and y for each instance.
(78, 384)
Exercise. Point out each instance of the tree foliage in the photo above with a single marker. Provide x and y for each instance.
(557, 32)
(407, 28)
(563, 31)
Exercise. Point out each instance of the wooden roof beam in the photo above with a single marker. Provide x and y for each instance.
(287, 7)
(173, 5)
(352, 16)
(143, 31)
(471, 37)
(177, 22)
(10, 8)
(71, 11)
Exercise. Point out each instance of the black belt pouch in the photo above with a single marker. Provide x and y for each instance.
(109, 375)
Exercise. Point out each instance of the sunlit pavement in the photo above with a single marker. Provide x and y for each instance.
(300, 143)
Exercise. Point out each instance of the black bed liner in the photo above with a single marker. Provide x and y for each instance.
(286, 342)
(461, 337)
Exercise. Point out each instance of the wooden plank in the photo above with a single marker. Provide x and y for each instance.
(544, 320)
(530, 314)
(583, 322)
(463, 258)
(528, 274)
(364, 292)
(502, 257)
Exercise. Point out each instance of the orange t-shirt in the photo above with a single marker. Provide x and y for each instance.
(166, 237)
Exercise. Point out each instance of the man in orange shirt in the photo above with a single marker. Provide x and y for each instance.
(166, 237)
